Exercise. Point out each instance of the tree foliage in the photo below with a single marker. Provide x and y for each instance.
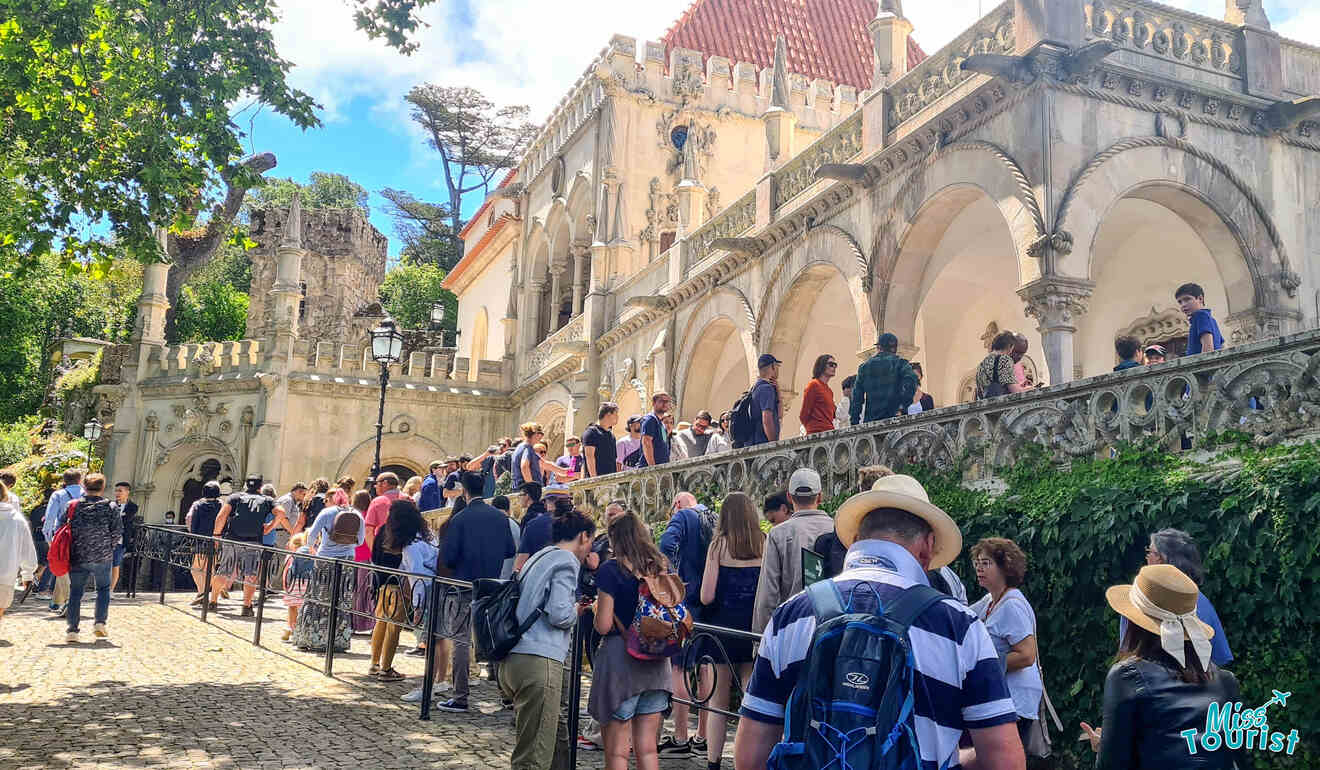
(475, 138)
(211, 311)
(425, 228)
(324, 190)
(408, 292)
(55, 300)
(114, 118)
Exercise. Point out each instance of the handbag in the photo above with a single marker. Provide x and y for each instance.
(1038, 742)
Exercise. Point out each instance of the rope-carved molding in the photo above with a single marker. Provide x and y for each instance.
(853, 247)
(1287, 277)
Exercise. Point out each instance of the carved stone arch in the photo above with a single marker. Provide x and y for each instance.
(1240, 236)
(177, 465)
(822, 245)
(724, 310)
(559, 227)
(409, 449)
(537, 263)
(579, 205)
(951, 178)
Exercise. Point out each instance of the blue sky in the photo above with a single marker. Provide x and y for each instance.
(517, 52)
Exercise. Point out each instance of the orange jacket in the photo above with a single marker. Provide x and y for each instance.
(817, 413)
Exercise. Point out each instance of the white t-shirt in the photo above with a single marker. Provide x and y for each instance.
(1012, 621)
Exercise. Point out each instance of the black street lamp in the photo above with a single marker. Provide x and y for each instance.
(92, 432)
(386, 349)
(437, 315)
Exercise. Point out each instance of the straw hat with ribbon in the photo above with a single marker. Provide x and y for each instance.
(906, 494)
(1162, 600)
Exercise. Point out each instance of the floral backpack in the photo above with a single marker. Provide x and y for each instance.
(662, 622)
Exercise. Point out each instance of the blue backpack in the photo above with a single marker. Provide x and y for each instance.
(853, 704)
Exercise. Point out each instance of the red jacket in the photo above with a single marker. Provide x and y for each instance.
(817, 413)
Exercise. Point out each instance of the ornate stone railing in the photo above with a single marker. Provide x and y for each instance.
(1268, 389)
(734, 220)
(1167, 33)
(942, 71)
(838, 145)
(543, 354)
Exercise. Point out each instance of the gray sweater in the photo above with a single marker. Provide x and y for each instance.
(551, 635)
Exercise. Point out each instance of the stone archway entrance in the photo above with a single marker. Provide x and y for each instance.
(404, 472)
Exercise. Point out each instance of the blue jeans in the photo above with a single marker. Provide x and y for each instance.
(99, 571)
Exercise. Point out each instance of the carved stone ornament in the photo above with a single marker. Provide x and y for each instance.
(1159, 325)
(1056, 302)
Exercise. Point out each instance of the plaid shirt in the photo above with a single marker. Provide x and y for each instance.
(884, 384)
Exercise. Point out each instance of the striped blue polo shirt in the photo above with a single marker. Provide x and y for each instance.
(958, 681)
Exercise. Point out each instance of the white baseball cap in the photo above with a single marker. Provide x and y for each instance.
(804, 481)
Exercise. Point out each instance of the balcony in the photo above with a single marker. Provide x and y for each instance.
(1269, 390)
(568, 341)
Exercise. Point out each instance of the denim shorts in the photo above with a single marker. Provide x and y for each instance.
(649, 702)
(119, 556)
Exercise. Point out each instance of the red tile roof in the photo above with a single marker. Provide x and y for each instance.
(826, 38)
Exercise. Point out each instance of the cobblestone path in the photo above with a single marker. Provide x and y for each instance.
(169, 691)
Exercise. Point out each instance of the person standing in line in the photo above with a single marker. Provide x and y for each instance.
(685, 543)
(728, 591)
(818, 410)
(56, 507)
(201, 521)
(1173, 546)
(699, 440)
(1021, 382)
(776, 508)
(429, 497)
(598, 444)
(1164, 682)
(246, 518)
(18, 552)
(921, 400)
(1001, 566)
(572, 458)
(501, 503)
(387, 484)
(412, 488)
(628, 448)
(96, 528)
(884, 383)
(532, 675)
(781, 571)
(843, 407)
(364, 589)
(628, 695)
(400, 527)
(528, 465)
(1155, 354)
(995, 374)
(476, 544)
(128, 512)
(894, 535)
(485, 465)
(655, 437)
(289, 508)
(1203, 333)
(765, 401)
(1128, 351)
(536, 527)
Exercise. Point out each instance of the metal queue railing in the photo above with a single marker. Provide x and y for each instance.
(331, 585)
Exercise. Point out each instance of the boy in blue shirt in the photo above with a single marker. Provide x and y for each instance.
(1203, 332)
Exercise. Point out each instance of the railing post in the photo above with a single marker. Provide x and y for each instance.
(165, 564)
(575, 693)
(332, 617)
(208, 547)
(261, 592)
(433, 612)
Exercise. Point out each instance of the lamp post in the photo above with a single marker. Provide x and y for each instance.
(92, 432)
(386, 349)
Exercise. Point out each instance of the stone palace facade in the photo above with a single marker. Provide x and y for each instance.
(1058, 169)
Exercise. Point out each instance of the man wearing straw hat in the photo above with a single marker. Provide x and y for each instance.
(894, 535)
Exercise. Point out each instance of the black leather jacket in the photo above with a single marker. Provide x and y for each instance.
(1146, 706)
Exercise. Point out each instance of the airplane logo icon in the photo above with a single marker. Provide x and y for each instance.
(1280, 698)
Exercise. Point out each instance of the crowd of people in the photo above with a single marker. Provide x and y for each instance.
(978, 695)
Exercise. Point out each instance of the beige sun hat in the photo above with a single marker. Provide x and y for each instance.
(904, 493)
(1164, 586)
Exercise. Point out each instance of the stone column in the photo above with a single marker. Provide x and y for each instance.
(152, 305)
(552, 326)
(533, 315)
(581, 252)
(1061, 22)
(1056, 302)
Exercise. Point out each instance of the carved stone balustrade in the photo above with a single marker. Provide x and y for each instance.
(1268, 389)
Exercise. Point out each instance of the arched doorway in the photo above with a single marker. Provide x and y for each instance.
(956, 275)
(717, 370)
(1132, 282)
(816, 317)
(404, 472)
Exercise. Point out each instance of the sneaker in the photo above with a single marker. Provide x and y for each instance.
(670, 747)
(247, 612)
(62, 612)
(374, 669)
(698, 745)
(412, 696)
(99, 631)
(417, 652)
(453, 705)
(198, 600)
(586, 745)
(72, 637)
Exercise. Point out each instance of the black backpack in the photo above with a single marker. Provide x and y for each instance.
(743, 420)
(495, 627)
(248, 517)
